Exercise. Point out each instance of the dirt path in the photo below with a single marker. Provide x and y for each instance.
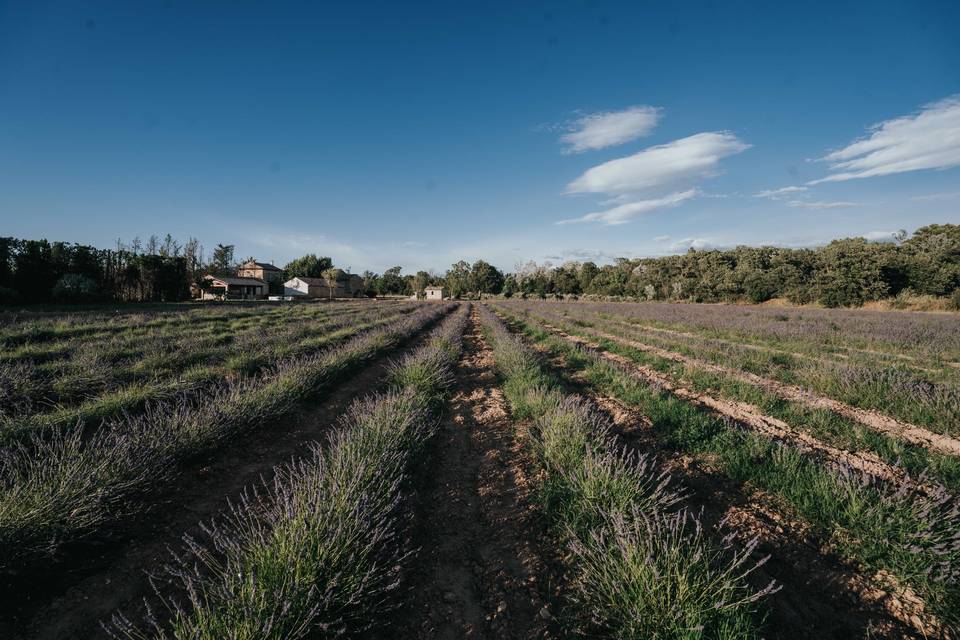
(109, 574)
(481, 573)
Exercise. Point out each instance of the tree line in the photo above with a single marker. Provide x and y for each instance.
(844, 273)
(38, 271)
(847, 272)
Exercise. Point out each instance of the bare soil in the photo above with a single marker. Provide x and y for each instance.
(482, 571)
(99, 576)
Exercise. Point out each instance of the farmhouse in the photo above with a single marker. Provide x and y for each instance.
(433, 293)
(260, 270)
(231, 288)
(347, 286)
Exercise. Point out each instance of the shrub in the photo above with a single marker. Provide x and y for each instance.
(75, 288)
(954, 302)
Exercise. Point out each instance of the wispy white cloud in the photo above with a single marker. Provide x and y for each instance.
(609, 128)
(937, 197)
(581, 255)
(929, 139)
(808, 204)
(303, 242)
(626, 212)
(696, 156)
(881, 236)
(661, 238)
(781, 193)
(700, 244)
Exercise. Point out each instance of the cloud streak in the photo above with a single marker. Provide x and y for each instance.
(700, 244)
(818, 206)
(781, 193)
(929, 139)
(609, 128)
(626, 212)
(696, 156)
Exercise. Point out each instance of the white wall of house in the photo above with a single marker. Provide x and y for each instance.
(296, 287)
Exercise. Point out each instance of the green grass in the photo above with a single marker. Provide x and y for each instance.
(912, 536)
(823, 424)
(921, 398)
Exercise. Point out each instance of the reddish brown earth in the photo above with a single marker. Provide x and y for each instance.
(100, 576)
(482, 571)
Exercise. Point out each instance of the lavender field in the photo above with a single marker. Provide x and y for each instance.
(828, 439)
(531, 468)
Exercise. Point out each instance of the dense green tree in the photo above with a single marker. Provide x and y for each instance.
(485, 278)
(510, 286)
(221, 263)
(392, 283)
(420, 282)
(308, 266)
(74, 287)
(931, 259)
(586, 274)
(849, 273)
(458, 279)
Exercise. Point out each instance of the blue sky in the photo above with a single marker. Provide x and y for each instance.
(421, 133)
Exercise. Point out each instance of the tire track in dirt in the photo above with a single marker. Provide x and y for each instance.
(885, 424)
(110, 573)
(481, 572)
(823, 595)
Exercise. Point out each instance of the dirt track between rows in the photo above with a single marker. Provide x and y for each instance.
(481, 572)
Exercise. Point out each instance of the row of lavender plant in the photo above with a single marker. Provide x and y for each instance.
(135, 354)
(127, 339)
(66, 487)
(905, 395)
(924, 335)
(643, 565)
(24, 329)
(319, 551)
(27, 411)
(892, 528)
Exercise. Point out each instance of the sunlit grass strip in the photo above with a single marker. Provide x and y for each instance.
(912, 535)
(319, 551)
(643, 566)
(61, 489)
